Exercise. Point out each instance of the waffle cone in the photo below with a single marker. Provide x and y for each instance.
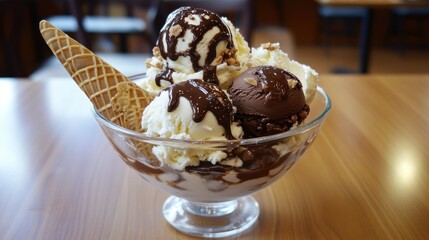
(128, 105)
(97, 78)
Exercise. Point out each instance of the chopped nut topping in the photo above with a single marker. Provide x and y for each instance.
(232, 61)
(156, 52)
(292, 83)
(251, 81)
(231, 52)
(175, 30)
(151, 63)
(270, 46)
(229, 56)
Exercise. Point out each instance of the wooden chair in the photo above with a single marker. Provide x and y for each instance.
(340, 21)
(274, 32)
(398, 28)
(87, 18)
(84, 27)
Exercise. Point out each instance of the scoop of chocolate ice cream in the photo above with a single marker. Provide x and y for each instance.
(269, 100)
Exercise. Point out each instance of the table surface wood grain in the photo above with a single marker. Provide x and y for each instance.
(365, 176)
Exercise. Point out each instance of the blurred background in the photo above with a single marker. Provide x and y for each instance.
(326, 39)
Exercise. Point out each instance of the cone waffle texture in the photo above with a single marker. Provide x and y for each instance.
(95, 77)
(128, 104)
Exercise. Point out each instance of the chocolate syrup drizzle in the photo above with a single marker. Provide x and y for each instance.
(208, 21)
(273, 81)
(165, 75)
(203, 97)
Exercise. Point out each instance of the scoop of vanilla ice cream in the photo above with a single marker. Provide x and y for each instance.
(271, 54)
(192, 43)
(179, 123)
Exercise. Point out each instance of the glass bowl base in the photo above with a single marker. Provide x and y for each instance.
(211, 220)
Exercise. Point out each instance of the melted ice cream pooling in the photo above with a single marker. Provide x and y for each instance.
(203, 97)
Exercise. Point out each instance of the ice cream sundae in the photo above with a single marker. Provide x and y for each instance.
(211, 120)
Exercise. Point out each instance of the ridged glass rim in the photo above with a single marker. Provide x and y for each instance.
(249, 141)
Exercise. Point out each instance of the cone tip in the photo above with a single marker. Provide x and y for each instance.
(42, 24)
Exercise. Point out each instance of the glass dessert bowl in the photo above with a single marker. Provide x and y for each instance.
(214, 200)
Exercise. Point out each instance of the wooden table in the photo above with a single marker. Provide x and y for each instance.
(365, 176)
(366, 24)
